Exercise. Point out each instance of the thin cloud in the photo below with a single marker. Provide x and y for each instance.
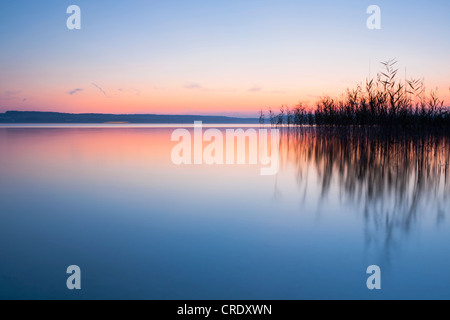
(74, 91)
(12, 93)
(8, 95)
(132, 91)
(99, 88)
(259, 89)
(193, 86)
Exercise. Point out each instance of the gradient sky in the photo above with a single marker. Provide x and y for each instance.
(209, 57)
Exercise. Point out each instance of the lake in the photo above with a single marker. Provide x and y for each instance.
(109, 199)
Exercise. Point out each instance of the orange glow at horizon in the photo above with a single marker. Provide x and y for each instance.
(215, 100)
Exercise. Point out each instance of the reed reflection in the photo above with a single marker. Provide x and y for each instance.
(396, 181)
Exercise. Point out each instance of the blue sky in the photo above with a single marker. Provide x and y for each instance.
(219, 57)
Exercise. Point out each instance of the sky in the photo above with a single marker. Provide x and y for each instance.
(216, 57)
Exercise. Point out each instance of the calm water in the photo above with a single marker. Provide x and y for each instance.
(110, 200)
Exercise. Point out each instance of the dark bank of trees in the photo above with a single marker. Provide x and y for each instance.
(384, 101)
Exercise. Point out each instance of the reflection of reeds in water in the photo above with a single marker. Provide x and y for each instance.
(394, 179)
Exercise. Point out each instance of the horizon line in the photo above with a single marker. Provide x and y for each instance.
(129, 114)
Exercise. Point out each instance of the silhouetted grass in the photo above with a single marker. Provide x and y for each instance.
(385, 101)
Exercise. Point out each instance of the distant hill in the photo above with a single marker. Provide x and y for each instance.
(56, 117)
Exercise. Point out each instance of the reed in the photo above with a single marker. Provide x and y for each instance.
(385, 101)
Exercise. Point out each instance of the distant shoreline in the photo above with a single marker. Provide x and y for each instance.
(40, 117)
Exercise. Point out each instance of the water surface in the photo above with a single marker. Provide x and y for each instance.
(109, 199)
